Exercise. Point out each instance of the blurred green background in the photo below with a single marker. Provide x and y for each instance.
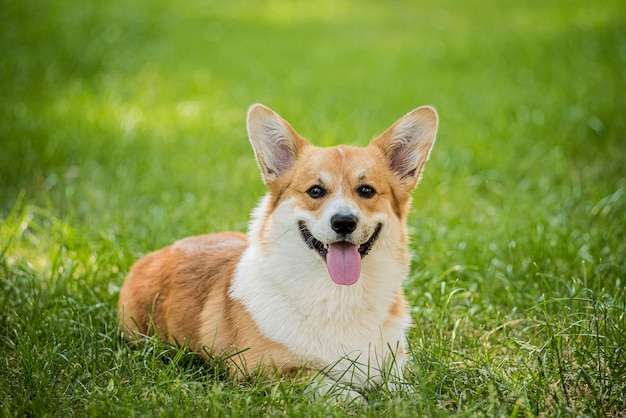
(122, 128)
(105, 100)
(129, 118)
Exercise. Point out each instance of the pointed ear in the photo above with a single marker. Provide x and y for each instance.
(407, 144)
(275, 143)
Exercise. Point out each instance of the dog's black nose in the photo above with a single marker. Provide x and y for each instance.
(343, 224)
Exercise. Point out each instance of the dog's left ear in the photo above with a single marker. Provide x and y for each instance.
(276, 144)
(407, 144)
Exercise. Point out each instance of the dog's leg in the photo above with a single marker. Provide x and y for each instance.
(333, 392)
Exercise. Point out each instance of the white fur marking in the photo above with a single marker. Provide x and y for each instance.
(298, 305)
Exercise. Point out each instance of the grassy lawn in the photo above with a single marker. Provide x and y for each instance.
(122, 129)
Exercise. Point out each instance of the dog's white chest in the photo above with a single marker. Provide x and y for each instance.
(287, 291)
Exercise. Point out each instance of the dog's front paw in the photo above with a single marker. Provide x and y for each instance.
(333, 392)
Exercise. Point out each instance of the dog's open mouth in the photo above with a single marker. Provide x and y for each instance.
(342, 258)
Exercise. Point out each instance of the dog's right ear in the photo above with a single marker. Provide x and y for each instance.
(276, 144)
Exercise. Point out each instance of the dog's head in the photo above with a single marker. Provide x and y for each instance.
(344, 199)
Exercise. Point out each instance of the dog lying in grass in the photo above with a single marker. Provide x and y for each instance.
(316, 284)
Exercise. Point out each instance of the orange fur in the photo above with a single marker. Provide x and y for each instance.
(180, 293)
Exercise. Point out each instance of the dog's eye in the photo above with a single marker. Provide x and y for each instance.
(316, 192)
(366, 191)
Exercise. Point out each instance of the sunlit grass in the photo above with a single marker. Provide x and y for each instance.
(122, 129)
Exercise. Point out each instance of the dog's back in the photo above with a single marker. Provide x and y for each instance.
(166, 290)
(181, 294)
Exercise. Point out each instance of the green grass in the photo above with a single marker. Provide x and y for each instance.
(122, 129)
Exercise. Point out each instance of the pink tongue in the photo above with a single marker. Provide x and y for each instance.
(344, 263)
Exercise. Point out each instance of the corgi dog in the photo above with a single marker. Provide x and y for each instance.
(316, 284)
